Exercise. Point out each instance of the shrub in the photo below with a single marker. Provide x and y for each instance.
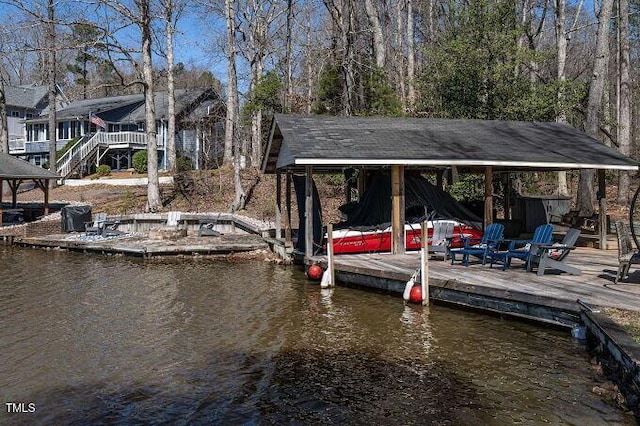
(139, 161)
(103, 170)
(468, 188)
(183, 164)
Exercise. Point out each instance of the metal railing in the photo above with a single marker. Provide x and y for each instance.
(17, 145)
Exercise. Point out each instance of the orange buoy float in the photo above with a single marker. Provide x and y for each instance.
(314, 272)
(416, 294)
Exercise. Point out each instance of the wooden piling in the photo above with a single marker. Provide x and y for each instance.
(330, 257)
(424, 264)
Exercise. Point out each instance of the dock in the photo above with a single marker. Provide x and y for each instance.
(139, 245)
(554, 298)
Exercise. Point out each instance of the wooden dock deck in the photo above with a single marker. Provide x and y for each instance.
(142, 246)
(513, 291)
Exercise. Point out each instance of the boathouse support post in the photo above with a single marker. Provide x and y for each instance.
(308, 212)
(14, 184)
(330, 257)
(1, 194)
(507, 196)
(46, 197)
(278, 205)
(488, 196)
(602, 200)
(287, 217)
(424, 265)
(397, 210)
(361, 183)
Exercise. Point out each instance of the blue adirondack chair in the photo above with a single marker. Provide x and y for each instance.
(522, 249)
(479, 247)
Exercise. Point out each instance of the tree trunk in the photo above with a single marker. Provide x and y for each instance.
(232, 106)
(154, 201)
(411, 59)
(256, 138)
(378, 36)
(51, 77)
(399, 55)
(257, 67)
(4, 127)
(348, 58)
(585, 201)
(624, 119)
(232, 84)
(289, 71)
(309, 63)
(561, 50)
(171, 104)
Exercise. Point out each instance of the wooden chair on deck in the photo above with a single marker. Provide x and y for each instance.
(627, 253)
(553, 256)
(102, 226)
(95, 227)
(441, 239)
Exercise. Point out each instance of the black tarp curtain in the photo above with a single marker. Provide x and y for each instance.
(422, 201)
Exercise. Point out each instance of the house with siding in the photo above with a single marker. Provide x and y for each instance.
(24, 103)
(110, 130)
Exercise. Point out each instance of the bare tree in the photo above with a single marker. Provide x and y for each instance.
(288, 53)
(45, 15)
(51, 77)
(171, 14)
(232, 82)
(561, 50)
(232, 106)
(399, 54)
(594, 106)
(154, 202)
(141, 17)
(411, 59)
(379, 48)
(624, 95)
(563, 37)
(4, 128)
(342, 13)
(258, 18)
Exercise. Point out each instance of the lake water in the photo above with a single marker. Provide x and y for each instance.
(88, 339)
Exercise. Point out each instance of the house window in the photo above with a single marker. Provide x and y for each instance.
(63, 130)
(29, 115)
(37, 160)
(15, 113)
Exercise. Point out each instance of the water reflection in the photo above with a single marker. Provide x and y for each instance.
(116, 340)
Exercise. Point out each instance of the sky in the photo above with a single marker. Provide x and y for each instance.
(195, 44)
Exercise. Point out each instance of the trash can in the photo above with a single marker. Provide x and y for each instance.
(74, 218)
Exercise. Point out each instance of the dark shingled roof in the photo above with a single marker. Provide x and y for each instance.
(334, 142)
(15, 168)
(125, 108)
(24, 96)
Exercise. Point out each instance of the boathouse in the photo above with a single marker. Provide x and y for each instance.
(14, 171)
(327, 144)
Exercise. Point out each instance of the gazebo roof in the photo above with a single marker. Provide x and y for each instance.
(336, 142)
(15, 168)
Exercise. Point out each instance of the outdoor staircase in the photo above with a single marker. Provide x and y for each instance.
(88, 146)
(73, 158)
